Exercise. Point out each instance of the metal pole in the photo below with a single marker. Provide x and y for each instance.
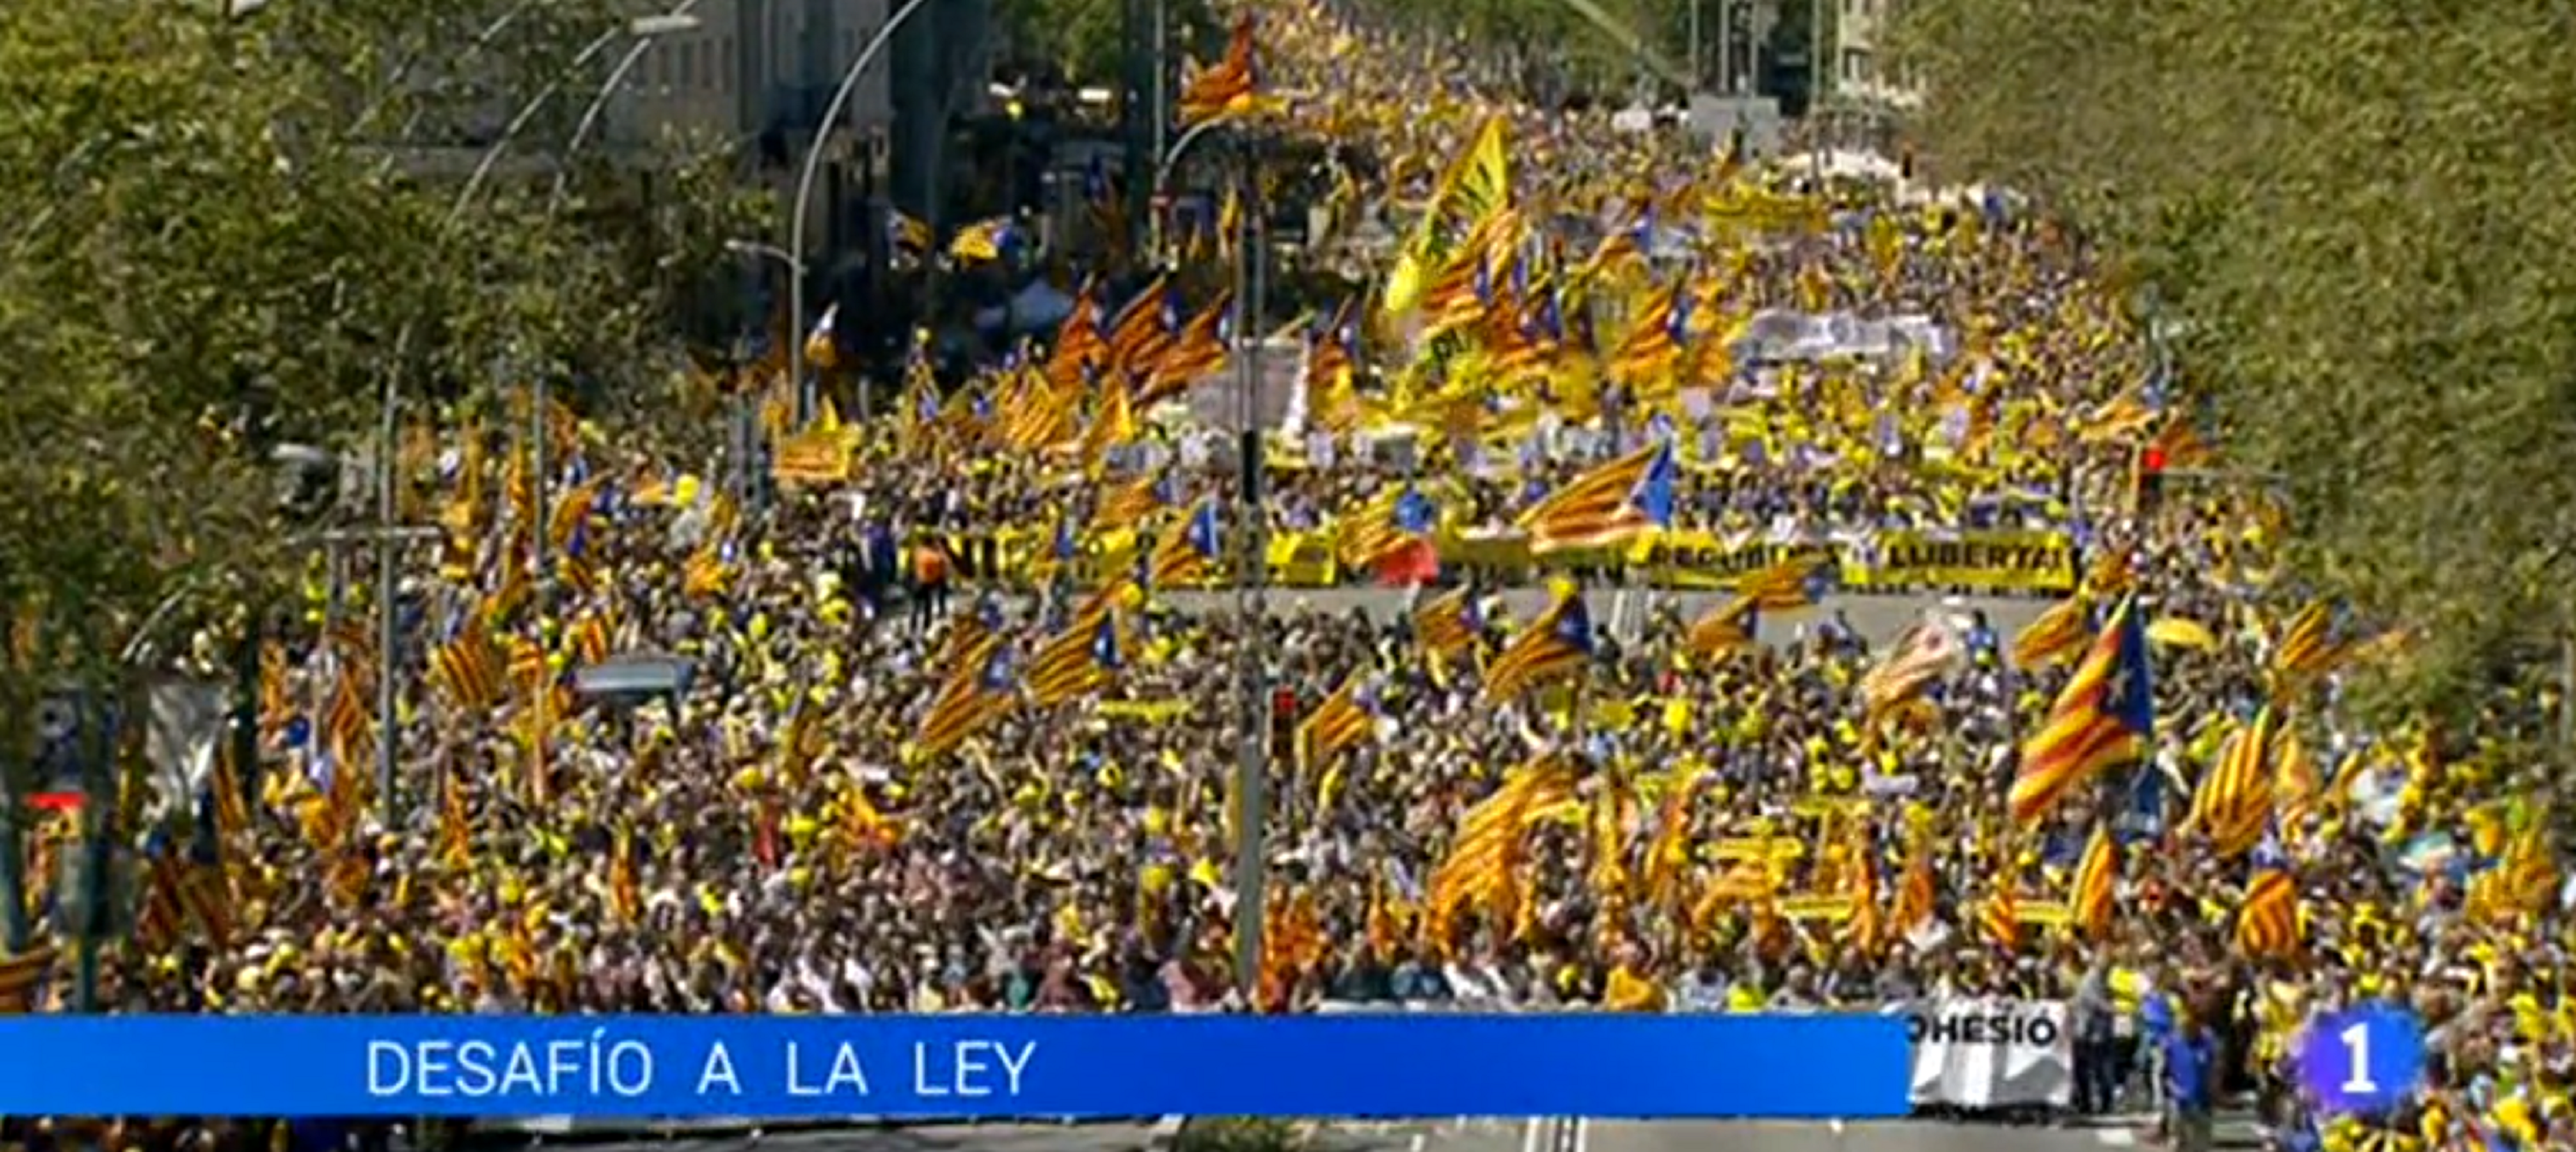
(804, 206)
(1726, 46)
(1824, 59)
(387, 724)
(1697, 76)
(2567, 695)
(14, 927)
(1252, 833)
(245, 734)
(98, 854)
(1170, 160)
(540, 584)
(1162, 79)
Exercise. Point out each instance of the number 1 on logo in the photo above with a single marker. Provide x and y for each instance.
(2356, 1044)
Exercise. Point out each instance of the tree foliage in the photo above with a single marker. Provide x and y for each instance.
(2353, 210)
(1085, 40)
(212, 243)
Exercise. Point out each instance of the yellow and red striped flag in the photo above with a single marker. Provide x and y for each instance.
(2103, 716)
(2054, 635)
(1345, 719)
(2232, 805)
(978, 692)
(1448, 623)
(2267, 916)
(1556, 644)
(2097, 879)
(1606, 506)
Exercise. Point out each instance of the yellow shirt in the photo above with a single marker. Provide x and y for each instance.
(1630, 992)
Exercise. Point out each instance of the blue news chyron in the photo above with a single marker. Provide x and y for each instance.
(1853, 1066)
(2363, 1061)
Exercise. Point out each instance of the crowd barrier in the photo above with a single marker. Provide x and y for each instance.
(1985, 561)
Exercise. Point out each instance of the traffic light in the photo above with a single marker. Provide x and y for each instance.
(1284, 710)
(2148, 492)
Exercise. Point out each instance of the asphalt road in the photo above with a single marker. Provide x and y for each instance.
(1879, 618)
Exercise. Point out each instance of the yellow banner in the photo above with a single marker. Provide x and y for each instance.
(1995, 560)
(1999, 560)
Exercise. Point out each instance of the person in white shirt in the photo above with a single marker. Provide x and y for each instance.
(1702, 989)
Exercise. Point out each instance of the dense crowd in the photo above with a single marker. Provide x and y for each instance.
(1714, 819)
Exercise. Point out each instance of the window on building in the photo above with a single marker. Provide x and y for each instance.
(688, 66)
(662, 67)
(725, 64)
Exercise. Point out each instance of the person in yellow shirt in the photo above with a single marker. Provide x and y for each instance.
(1632, 985)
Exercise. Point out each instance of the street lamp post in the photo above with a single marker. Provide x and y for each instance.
(804, 204)
(389, 535)
(744, 435)
(394, 86)
(1163, 168)
(646, 32)
(1252, 783)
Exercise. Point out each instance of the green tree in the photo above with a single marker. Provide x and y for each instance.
(212, 242)
(1086, 39)
(2344, 205)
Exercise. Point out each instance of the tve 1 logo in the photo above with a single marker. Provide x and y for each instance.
(2363, 1060)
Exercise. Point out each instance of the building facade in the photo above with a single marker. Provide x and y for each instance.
(1864, 69)
(755, 69)
(763, 72)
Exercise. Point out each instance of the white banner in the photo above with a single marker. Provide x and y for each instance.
(1991, 1052)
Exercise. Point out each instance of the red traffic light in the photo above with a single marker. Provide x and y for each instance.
(1283, 701)
(2152, 460)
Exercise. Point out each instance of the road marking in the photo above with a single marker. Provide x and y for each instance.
(1534, 1136)
(1416, 1144)
(2116, 1137)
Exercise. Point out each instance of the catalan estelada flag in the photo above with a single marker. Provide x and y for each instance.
(2104, 716)
(1725, 628)
(1146, 326)
(1189, 555)
(1794, 583)
(1448, 623)
(977, 693)
(1609, 505)
(1077, 660)
(1557, 643)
